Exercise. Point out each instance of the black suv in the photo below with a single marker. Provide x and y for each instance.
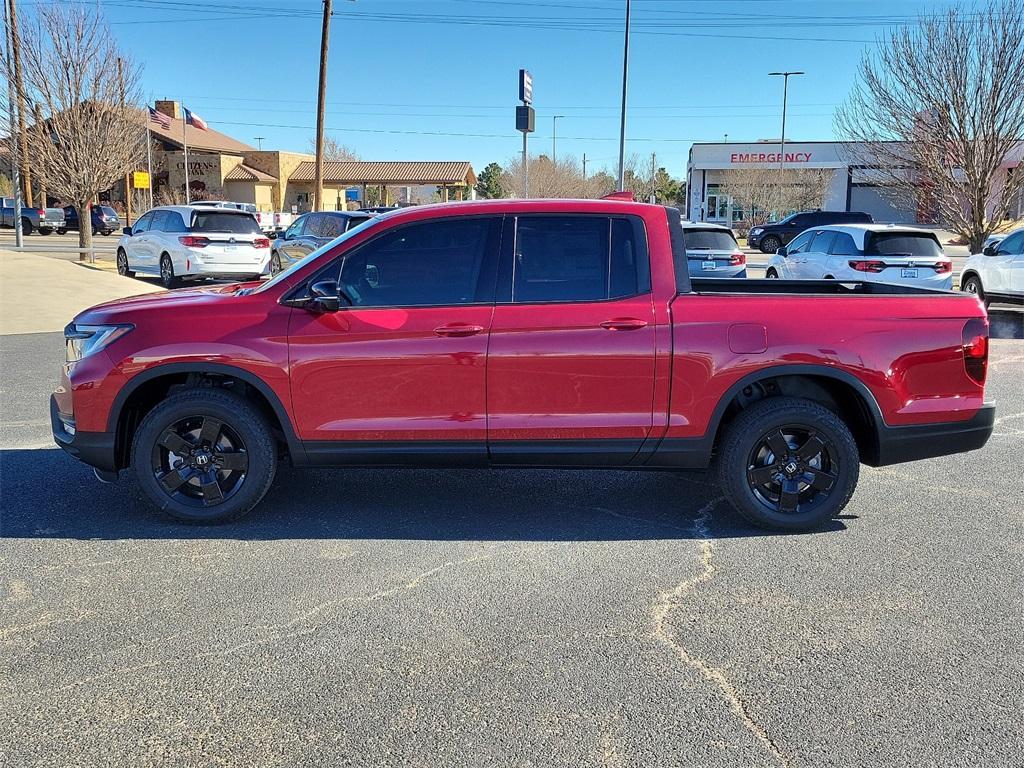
(770, 237)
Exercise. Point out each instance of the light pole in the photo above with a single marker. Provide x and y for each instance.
(554, 128)
(785, 92)
(622, 119)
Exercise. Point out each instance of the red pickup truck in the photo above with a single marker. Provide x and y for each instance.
(535, 333)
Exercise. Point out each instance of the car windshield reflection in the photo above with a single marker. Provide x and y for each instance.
(283, 275)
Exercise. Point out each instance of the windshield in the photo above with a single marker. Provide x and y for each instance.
(282, 276)
(708, 240)
(223, 221)
(904, 244)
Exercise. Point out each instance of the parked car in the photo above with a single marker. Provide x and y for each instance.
(190, 242)
(881, 253)
(770, 237)
(523, 333)
(309, 232)
(380, 208)
(996, 275)
(104, 219)
(41, 220)
(247, 207)
(712, 251)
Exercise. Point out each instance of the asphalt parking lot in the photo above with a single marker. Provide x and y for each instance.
(527, 618)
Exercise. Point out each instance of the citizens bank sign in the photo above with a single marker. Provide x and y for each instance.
(741, 158)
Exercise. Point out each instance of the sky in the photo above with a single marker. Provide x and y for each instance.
(437, 79)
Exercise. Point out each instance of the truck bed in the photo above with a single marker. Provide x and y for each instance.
(709, 285)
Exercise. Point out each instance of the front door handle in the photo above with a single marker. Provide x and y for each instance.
(458, 330)
(624, 324)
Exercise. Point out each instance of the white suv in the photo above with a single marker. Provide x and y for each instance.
(189, 242)
(997, 273)
(880, 253)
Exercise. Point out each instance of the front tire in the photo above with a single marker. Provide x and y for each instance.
(770, 244)
(167, 277)
(275, 264)
(122, 264)
(788, 464)
(204, 456)
(973, 285)
(771, 274)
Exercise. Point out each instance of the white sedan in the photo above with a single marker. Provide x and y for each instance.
(189, 242)
(865, 252)
(997, 273)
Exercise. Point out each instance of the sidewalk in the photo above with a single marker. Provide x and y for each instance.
(40, 294)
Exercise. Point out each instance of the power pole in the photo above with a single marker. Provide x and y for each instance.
(622, 119)
(584, 166)
(128, 175)
(11, 121)
(318, 180)
(38, 112)
(554, 144)
(19, 90)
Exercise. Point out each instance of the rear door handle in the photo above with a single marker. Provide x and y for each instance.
(624, 324)
(458, 330)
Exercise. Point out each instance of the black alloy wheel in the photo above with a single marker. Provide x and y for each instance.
(200, 461)
(788, 463)
(770, 244)
(792, 469)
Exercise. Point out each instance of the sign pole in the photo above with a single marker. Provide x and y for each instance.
(525, 120)
(149, 162)
(526, 168)
(12, 121)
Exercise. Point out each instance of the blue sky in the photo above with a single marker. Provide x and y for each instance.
(437, 79)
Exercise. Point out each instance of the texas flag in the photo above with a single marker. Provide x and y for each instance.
(191, 118)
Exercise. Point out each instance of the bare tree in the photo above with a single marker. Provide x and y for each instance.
(334, 150)
(764, 192)
(91, 135)
(939, 107)
(563, 179)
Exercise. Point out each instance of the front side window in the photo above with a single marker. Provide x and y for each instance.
(822, 241)
(1012, 245)
(433, 263)
(142, 225)
(800, 242)
(295, 230)
(575, 258)
(221, 220)
(331, 226)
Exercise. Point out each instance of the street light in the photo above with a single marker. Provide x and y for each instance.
(622, 119)
(785, 91)
(554, 152)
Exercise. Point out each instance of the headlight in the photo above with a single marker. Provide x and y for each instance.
(83, 340)
(756, 231)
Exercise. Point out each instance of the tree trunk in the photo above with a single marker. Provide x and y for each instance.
(84, 229)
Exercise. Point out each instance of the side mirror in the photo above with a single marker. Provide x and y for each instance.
(989, 250)
(782, 251)
(127, 231)
(324, 295)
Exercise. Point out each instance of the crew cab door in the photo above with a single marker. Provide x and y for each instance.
(570, 366)
(401, 371)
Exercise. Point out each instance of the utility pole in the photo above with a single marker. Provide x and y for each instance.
(128, 174)
(318, 180)
(554, 146)
(785, 92)
(259, 142)
(19, 90)
(622, 120)
(38, 112)
(584, 166)
(11, 121)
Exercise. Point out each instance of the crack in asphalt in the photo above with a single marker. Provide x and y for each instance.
(663, 632)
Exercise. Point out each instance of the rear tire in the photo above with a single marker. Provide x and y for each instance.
(204, 456)
(122, 264)
(167, 277)
(62, 231)
(45, 232)
(26, 227)
(788, 464)
(770, 244)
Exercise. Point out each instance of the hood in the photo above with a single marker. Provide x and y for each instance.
(176, 301)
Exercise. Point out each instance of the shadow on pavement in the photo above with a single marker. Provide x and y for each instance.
(1005, 324)
(47, 494)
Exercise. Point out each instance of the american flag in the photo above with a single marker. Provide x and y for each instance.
(193, 119)
(159, 118)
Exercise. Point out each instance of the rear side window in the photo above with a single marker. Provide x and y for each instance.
(223, 221)
(173, 222)
(108, 210)
(709, 240)
(843, 245)
(354, 221)
(576, 258)
(157, 224)
(903, 244)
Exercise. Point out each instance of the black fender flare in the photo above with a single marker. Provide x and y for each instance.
(166, 369)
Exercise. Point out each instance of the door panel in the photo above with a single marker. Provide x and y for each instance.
(572, 382)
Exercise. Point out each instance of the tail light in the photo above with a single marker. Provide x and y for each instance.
(975, 346)
(191, 241)
(737, 259)
(42, 213)
(942, 267)
(261, 242)
(867, 266)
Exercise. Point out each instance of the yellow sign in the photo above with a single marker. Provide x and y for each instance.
(140, 180)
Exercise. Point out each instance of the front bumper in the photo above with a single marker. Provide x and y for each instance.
(754, 241)
(925, 441)
(97, 449)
